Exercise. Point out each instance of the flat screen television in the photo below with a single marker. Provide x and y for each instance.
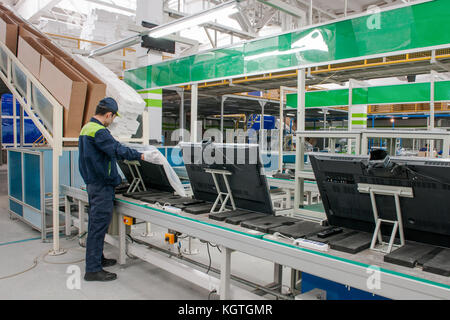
(247, 181)
(426, 216)
(153, 175)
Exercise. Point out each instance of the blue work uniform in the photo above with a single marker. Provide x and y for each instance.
(98, 155)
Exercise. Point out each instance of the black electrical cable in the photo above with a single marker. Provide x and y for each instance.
(209, 255)
(425, 176)
(209, 295)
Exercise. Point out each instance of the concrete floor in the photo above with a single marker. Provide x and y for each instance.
(20, 245)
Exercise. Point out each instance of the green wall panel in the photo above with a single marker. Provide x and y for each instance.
(329, 98)
(442, 91)
(269, 54)
(326, 98)
(405, 28)
(203, 66)
(229, 61)
(136, 78)
(161, 74)
(403, 93)
(180, 70)
(413, 92)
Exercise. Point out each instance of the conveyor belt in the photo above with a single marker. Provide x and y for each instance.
(397, 282)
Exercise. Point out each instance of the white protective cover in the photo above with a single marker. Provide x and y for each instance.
(131, 104)
(153, 155)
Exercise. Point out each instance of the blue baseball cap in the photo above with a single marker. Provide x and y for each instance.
(110, 104)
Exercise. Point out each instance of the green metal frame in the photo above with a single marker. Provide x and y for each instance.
(402, 93)
(405, 29)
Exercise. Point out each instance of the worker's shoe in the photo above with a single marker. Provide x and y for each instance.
(100, 276)
(108, 262)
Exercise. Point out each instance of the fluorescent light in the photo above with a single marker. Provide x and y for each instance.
(217, 12)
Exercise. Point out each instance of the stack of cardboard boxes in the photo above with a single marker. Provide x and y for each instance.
(75, 87)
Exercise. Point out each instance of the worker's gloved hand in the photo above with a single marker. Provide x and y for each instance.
(153, 156)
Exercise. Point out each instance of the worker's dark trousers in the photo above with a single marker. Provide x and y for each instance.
(101, 202)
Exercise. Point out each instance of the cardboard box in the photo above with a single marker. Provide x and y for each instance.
(69, 89)
(30, 53)
(57, 51)
(8, 32)
(96, 91)
(25, 30)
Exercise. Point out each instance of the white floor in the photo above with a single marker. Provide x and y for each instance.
(136, 280)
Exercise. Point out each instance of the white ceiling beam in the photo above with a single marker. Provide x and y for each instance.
(308, 3)
(31, 9)
(112, 5)
(266, 18)
(243, 21)
(354, 6)
(285, 7)
(215, 26)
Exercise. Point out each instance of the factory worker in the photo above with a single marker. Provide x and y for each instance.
(98, 152)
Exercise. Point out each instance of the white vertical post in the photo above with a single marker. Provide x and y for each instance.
(14, 122)
(57, 152)
(225, 274)
(262, 136)
(431, 123)
(122, 241)
(350, 124)
(182, 123)
(311, 12)
(280, 138)
(194, 109)
(22, 126)
(145, 127)
(222, 107)
(300, 148)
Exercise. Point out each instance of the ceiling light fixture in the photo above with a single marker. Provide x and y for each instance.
(217, 12)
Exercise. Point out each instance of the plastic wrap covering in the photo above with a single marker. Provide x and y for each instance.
(19, 79)
(153, 155)
(131, 105)
(43, 108)
(3, 61)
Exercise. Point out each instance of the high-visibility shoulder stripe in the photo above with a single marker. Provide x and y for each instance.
(90, 129)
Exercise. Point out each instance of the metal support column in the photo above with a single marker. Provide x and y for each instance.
(300, 148)
(57, 152)
(22, 127)
(182, 114)
(14, 122)
(222, 107)
(225, 274)
(281, 132)
(122, 241)
(262, 138)
(194, 109)
(432, 113)
(350, 124)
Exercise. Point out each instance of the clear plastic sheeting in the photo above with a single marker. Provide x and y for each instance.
(3, 61)
(42, 107)
(20, 80)
(153, 155)
(131, 104)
